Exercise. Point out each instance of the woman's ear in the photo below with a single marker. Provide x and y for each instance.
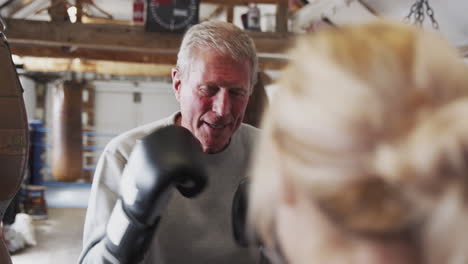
(176, 83)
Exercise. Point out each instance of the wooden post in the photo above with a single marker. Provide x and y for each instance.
(230, 14)
(282, 17)
(67, 146)
(58, 11)
(79, 11)
(257, 103)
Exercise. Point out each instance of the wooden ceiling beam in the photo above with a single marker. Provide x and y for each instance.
(120, 38)
(131, 57)
(100, 67)
(272, 63)
(17, 7)
(119, 43)
(35, 64)
(92, 54)
(92, 36)
(243, 2)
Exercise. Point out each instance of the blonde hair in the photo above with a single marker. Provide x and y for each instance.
(221, 37)
(370, 122)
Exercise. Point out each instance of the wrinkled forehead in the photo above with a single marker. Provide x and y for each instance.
(219, 62)
(201, 54)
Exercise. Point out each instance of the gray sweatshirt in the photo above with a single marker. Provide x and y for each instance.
(191, 230)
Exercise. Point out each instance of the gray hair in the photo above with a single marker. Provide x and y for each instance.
(222, 37)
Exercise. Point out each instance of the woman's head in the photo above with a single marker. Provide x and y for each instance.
(365, 150)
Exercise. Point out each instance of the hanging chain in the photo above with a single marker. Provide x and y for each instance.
(417, 14)
(430, 13)
(3, 27)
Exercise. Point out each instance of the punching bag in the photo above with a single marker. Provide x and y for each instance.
(67, 154)
(14, 139)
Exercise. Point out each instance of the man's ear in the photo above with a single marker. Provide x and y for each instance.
(176, 82)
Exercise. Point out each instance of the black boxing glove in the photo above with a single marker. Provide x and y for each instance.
(160, 161)
(239, 214)
(239, 219)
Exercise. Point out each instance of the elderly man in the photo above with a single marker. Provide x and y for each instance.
(215, 74)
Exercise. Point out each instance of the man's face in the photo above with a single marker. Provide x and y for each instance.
(213, 95)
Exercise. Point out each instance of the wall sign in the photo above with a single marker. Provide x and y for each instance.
(171, 15)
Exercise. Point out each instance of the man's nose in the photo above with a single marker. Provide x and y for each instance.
(222, 103)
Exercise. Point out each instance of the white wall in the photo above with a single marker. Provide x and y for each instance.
(116, 111)
(29, 96)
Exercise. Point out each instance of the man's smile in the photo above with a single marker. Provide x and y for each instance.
(215, 125)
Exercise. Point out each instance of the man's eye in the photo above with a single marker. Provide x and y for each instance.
(237, 92)
(207, 91)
